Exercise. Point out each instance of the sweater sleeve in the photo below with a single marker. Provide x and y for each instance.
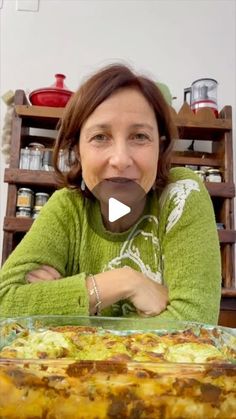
(190, 252)
(54, 240)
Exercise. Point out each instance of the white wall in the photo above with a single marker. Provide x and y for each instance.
(174, 41)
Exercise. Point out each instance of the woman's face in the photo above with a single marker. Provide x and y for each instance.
(120, 139)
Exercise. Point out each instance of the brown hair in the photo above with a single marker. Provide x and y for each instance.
(90, 95)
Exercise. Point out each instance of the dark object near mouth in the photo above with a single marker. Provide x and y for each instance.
(119, 180)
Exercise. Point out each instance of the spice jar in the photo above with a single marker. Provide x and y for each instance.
(35, 213)
(204, 168)
(25, 158)
(220, 226)
(23, 212)
(201, 174)
(35, 159)
(61, 161)
(25, 198)
(213, 175)
(41, 199)
(48, 160)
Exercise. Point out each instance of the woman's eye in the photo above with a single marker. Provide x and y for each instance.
(141, 137)
(100, 138)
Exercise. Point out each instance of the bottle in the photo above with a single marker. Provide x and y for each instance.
(213, 175)
(25, 198)
(25, 158)
(23, 212)
(61, 161)
(35, 159)
(47, 161)
(40, 199)
(201, 174)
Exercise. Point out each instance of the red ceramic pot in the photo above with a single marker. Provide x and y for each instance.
(57, 95)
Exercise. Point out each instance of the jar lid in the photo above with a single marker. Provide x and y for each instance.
(201, 172)
(205, 168)
(24, 209)
(36, 145)
(42, 194)
(25, 190)
(211, 171)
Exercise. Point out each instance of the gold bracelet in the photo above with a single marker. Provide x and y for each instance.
(95, 292)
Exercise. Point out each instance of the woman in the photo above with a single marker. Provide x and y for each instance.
(162, 258)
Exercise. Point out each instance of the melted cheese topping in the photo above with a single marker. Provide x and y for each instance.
(46, 344)
(107, 346)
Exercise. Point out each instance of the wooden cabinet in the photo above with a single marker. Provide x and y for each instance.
(201, 127)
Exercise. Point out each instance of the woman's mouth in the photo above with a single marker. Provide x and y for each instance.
(120, 180)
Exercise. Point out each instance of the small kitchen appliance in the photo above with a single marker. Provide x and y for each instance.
(203, 94)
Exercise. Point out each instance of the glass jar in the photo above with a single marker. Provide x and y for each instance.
(201, 174)
(35, 159)
(61, 161)
(204, 168)
(191, 166)
(48, 160)
(25, 198)
(213, 175)
(220, 226)
(23, 212)
(25, 158)
(35, 213)
(41, 198)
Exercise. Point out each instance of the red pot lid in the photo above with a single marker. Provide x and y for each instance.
(57, 87)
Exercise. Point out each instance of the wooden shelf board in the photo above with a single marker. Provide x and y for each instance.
(39, 116)
(17, 224)
(39, 111)
(30, 177)
(214, 124)
(193, 122)
(202, 131)
(227, 236)
(223, 189)
(189, 128)
(192, 160)
(203, 120)
(228, 292)
(40, 177)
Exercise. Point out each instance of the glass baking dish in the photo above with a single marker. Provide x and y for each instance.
(68, 387)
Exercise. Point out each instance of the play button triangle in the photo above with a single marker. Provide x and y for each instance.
(117, 209)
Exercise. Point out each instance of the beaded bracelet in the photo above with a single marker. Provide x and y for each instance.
(94, 291)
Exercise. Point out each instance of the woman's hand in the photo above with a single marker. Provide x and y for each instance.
(44, 273)
(148, 297)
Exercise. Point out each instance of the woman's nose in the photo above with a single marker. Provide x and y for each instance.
(121, 157)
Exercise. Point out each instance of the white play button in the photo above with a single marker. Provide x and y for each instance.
(116, 209)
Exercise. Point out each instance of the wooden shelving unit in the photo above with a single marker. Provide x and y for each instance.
(30, 177)
(201, 127)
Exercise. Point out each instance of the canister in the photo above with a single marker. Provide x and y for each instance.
(201, 174)
(213, 175)
(48, 160)
(35, 159)
(61, 161)
(220, 226)
(35, 212)
(23, 212)
(25, 158)
(25, 198)
(41, 199)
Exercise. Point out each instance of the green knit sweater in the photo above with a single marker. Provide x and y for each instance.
(174, 242)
